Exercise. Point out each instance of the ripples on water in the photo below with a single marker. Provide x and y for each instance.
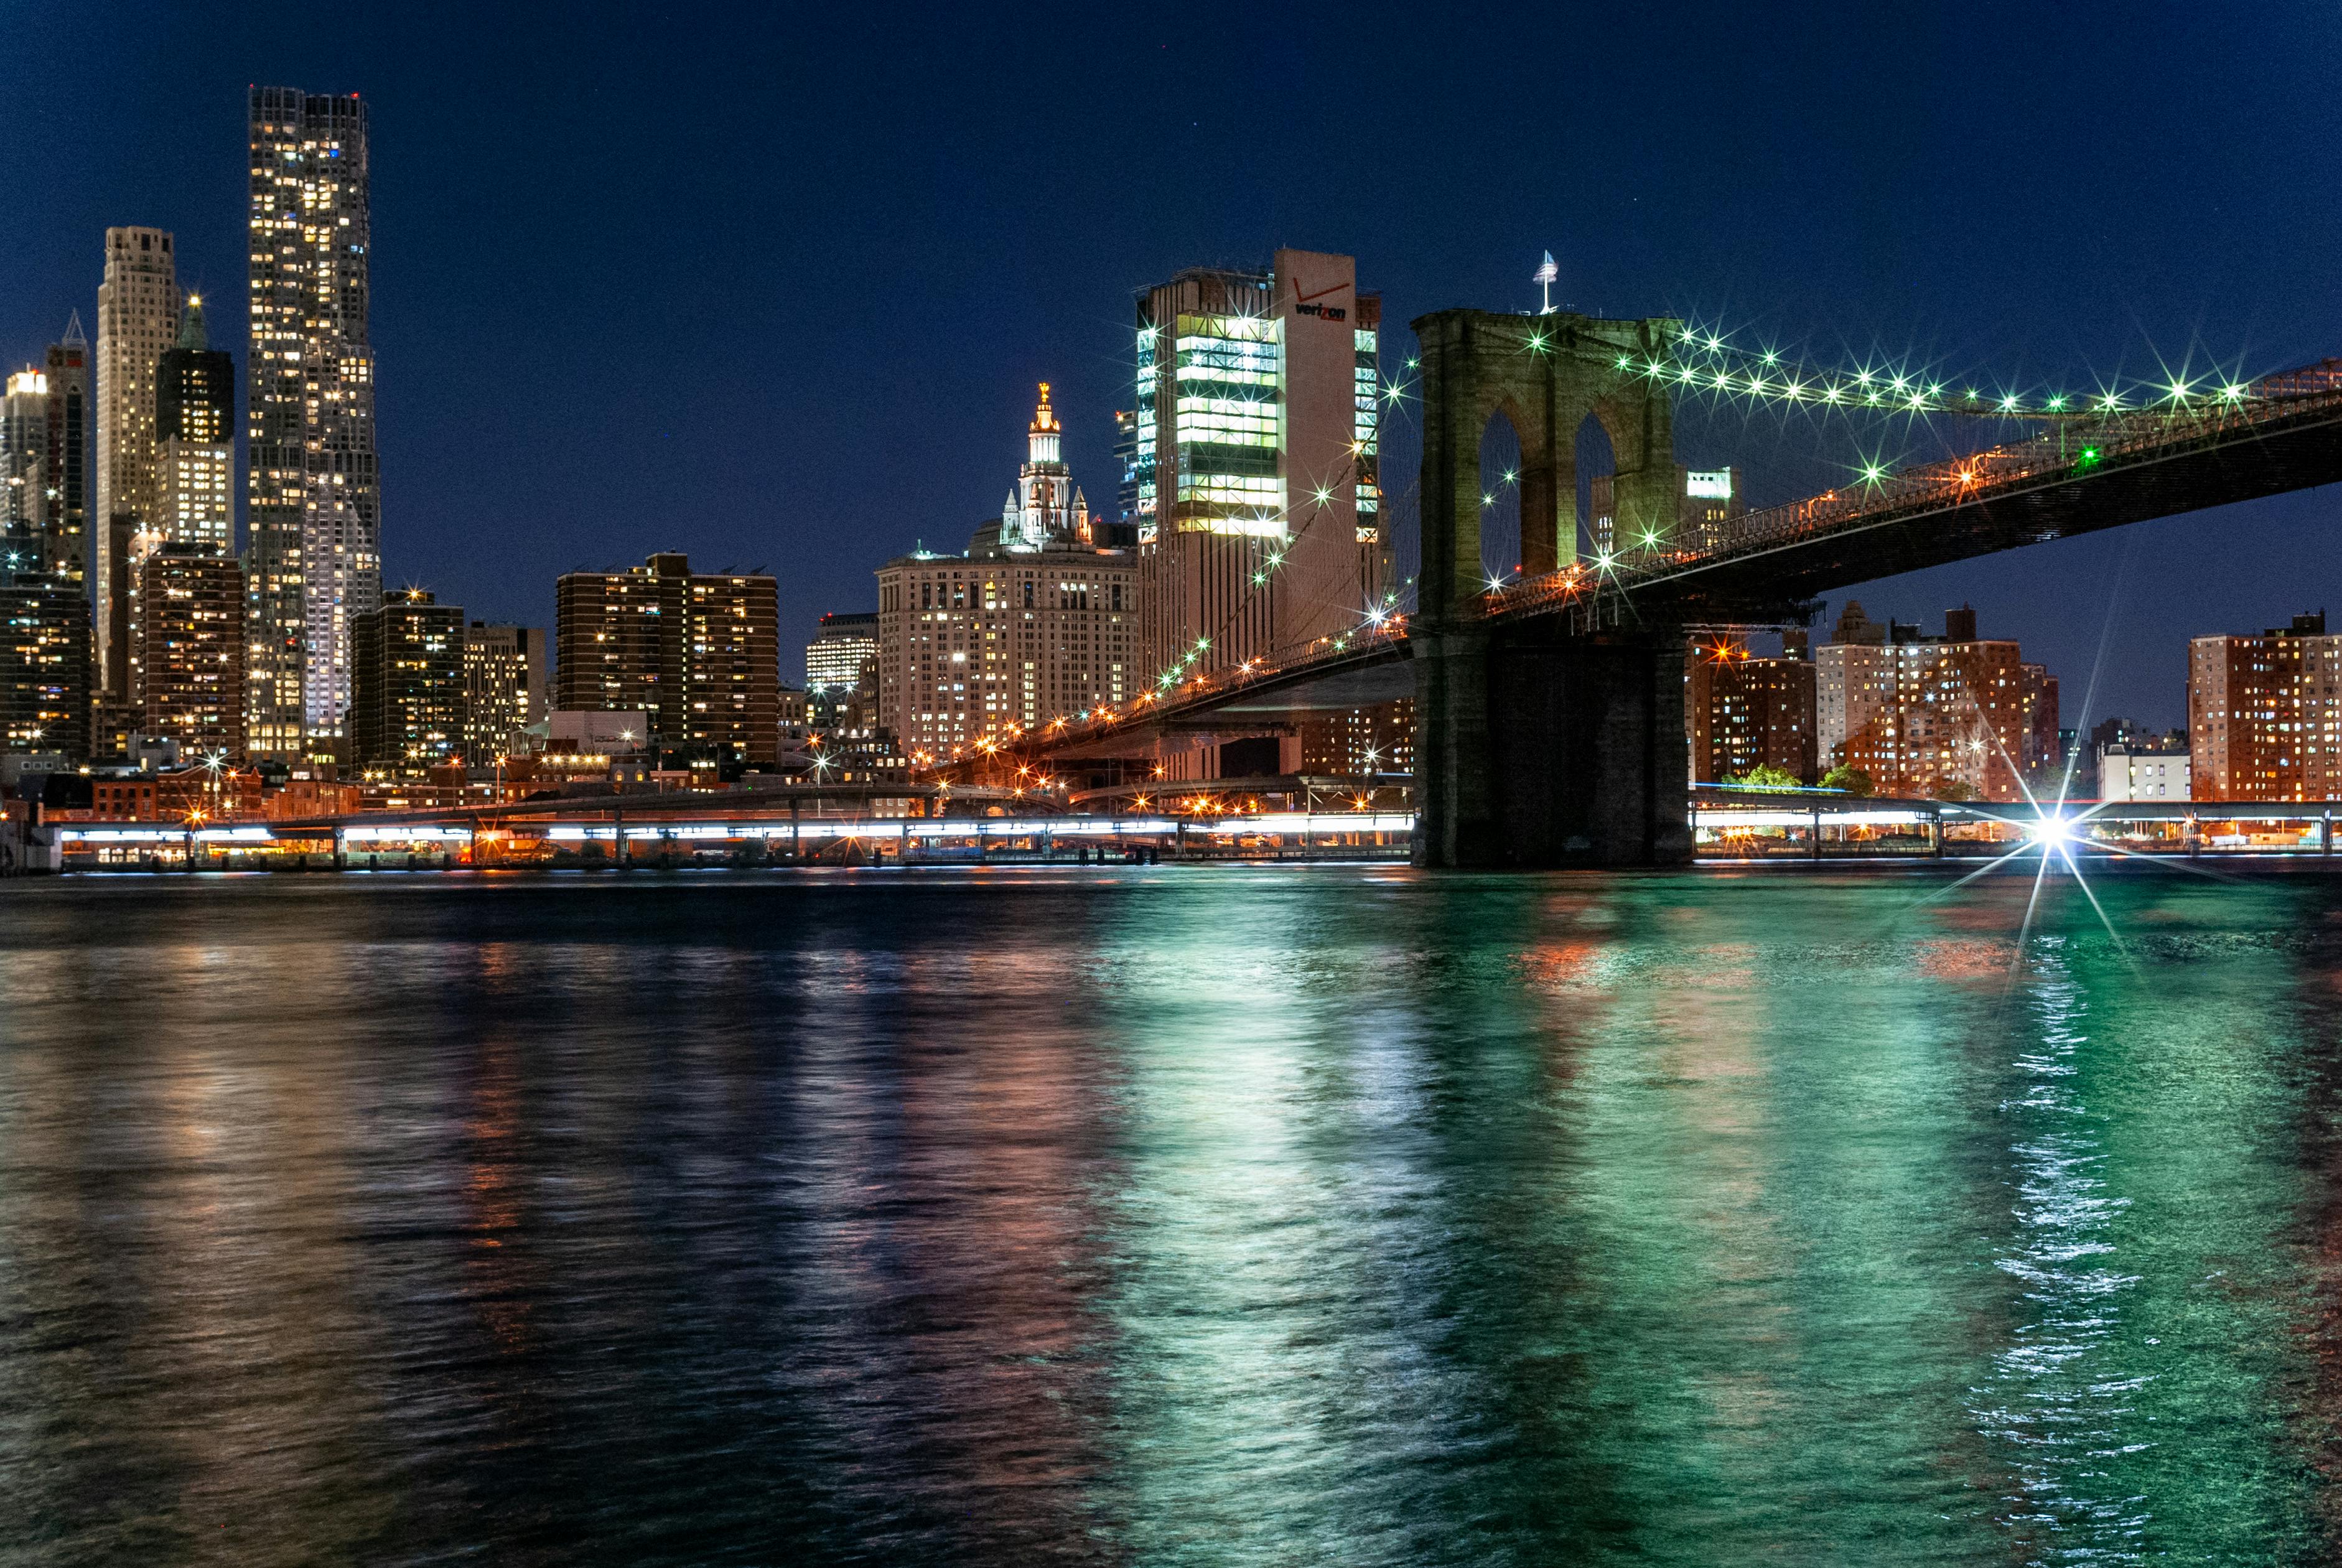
(1196, 1215)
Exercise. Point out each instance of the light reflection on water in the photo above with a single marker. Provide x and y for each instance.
(1186, 1216)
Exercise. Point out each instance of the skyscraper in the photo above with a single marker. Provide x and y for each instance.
(44, 661)
(44, 621)
(194, 439)
(191, 648)
(311, 486)
(137, 318)
(407, 711)
(24, 463)
(1125, 532)
(1034, 622)
(1257, 447)
(699, 652)
(503, 688)
(67, 528)
(842, 672)
(1044, 506)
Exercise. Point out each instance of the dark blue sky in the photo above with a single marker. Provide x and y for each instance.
(773, 286)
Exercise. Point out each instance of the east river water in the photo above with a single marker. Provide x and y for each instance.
(1184, 1215)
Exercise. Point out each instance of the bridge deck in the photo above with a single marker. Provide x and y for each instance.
(2124, 466)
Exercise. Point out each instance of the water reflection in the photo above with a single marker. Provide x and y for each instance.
(1169, 1216)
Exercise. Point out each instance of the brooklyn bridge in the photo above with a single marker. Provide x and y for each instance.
(1549, 706)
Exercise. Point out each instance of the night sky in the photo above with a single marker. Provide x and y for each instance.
(773, 286)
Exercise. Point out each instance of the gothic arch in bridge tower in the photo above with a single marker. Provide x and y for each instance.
(1546, 375)
(1536, 743)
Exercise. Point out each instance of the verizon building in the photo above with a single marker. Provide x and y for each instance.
(1258, 505)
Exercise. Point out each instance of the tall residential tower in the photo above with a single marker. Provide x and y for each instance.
(137, 318)
(699, 652)
(312, 505)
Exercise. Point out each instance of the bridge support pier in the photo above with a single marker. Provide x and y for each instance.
(1535, 749)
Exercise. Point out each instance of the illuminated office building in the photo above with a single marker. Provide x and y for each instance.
(194, 439)
(1257, 455)
(66, 524)
(407, 687)
(1707, 500)
(45, 662)
(699, 652)
(313, 503)
(1123, 533)
(45, 460)
(842, 672)
(25, 466)
(1369, 739)
(503, 688)
(191, 649)
(969, 645)
(137, 319)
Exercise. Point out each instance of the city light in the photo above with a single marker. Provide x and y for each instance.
(2052, 832)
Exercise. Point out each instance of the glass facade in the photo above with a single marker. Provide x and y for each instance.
(1368, 431)
(1229, 371)
(1143, 438)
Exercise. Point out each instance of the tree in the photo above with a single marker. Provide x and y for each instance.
(1853, 781)
(1955, 789)
(1765, 776)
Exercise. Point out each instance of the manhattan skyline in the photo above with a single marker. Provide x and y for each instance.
(774, 298)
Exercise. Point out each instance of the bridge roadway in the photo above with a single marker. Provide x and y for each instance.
(2282, 434)
(1545, 707)
(1733, 825)
(683, 825)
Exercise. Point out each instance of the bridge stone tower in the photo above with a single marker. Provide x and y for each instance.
(1537, 747)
